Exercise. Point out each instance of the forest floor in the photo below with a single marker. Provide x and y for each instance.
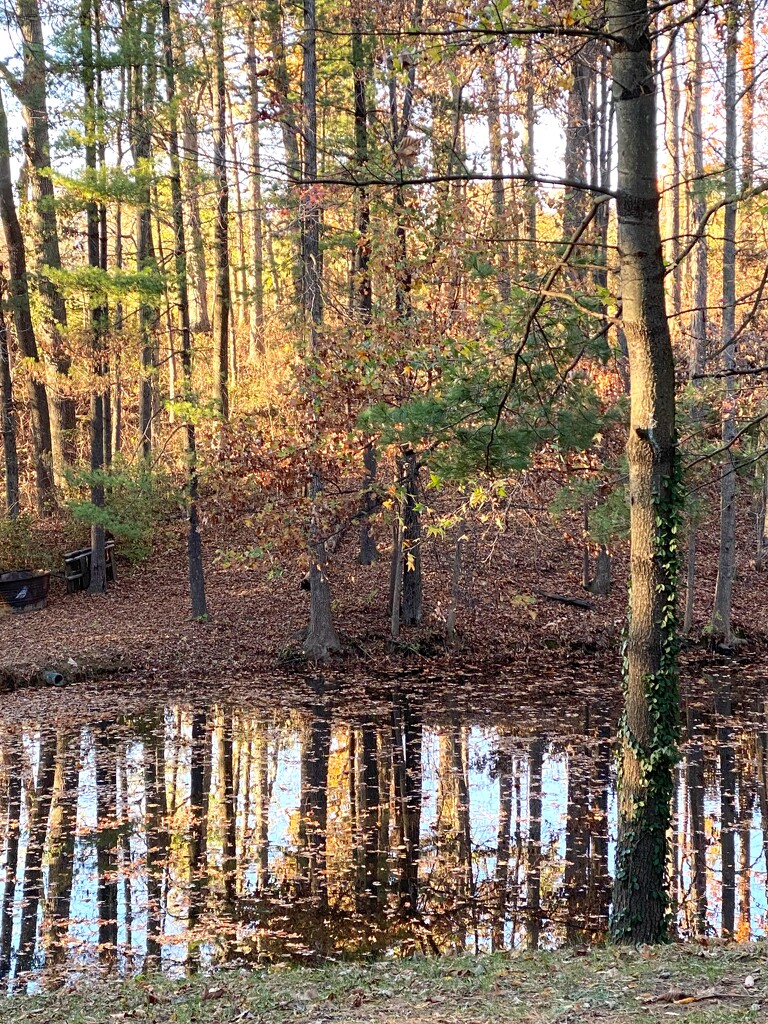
(698, 984)
(142, 627)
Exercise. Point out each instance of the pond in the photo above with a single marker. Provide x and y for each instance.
(186, 833)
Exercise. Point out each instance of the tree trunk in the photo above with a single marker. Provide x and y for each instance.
(528, 143)
(222, 299)
(726, 566)
(98, 582)
(31, 91)
(491, 86)
(288, 127)
(368, 553)
(8, 418)
(256, 336)
(194, 544)
(322, 638)
(140, 127)
(671, 202)
(22, 317)
(649, 727)
(412, 584)
(747, 60)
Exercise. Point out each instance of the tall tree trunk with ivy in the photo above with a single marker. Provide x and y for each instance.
(650, 720)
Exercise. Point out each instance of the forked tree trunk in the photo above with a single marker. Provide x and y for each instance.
(649, 729)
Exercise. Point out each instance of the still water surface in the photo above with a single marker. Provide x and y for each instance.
(198, 834)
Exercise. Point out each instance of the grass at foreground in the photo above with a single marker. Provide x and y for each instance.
(715, 985)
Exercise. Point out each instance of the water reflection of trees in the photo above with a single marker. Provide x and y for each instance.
(196, 835)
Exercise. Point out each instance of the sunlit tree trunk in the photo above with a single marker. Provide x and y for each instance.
(321, 639)
(22, 318)
(141, 105)
(222, 300)
(32, 92)
(98, 582)
(288, 127)
(693, 152)
(194, 543)
(671, 199)
(747, 60)
(501, 227)
(726, 566)
(256, 299)
(529, 141)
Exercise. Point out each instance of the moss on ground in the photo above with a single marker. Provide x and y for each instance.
(716, 984)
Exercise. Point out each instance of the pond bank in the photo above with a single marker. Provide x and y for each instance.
(708, 984)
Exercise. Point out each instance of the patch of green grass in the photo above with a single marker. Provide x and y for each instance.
(715, 985)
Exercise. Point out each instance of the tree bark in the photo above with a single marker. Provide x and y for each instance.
(98, 582)
(22, 318)
(491, 87)
(222, 299)
(32, 92)
(726, 566)
(140, 127)
(649, 727)
(256, 335)
(322, 638)
(8, 418)
(194, 543)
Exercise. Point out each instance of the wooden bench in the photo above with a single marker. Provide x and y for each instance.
(77, 567)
